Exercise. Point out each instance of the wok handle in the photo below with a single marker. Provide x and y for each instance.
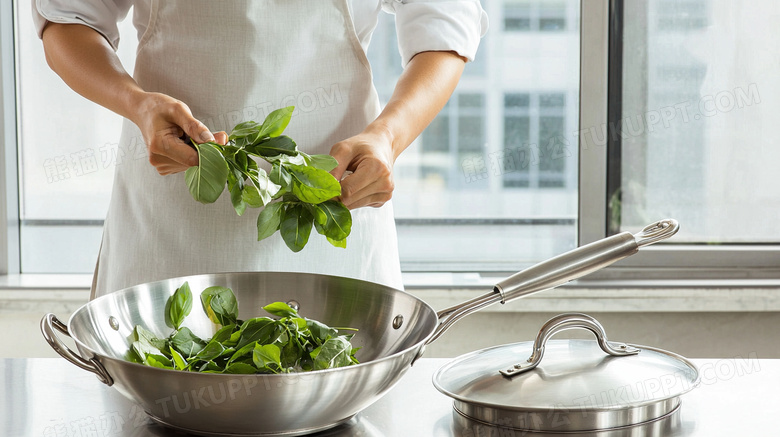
(49, 323)
(560, 270)
(563, 322)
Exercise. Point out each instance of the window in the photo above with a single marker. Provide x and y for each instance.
(535, 16)
(578, 120)
(535, 141)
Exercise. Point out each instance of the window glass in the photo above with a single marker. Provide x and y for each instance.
(67, 152)
(492, 183)
(696, 138)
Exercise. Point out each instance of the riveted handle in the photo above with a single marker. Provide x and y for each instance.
(563, 322)
(49, 323)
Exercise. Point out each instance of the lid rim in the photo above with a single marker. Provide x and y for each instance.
(693, 383)
(647, 422)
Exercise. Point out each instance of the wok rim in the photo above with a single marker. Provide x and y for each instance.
(395, 356)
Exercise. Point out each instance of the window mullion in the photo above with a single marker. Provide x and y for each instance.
(594, 62)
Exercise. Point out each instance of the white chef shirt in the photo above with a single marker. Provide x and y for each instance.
(422, 25)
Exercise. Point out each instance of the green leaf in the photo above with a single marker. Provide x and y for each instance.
(280, 176)
(271, 147)
(338, 220)
(236, 188)
(187, 343)
(313, 185)
(240, 369)
(206, 181)
(296, 227)
(338, 243)
(260, 191)
(147, 337)
(259, 329)
(245, 129)
(159, 361)
(297, 159)
(220, 305)
(276, 122)
(265, 355)
(212, 350)
(280, 309)
(323, 162)
(143, 349)
(178, 360)
(223, 334)
(333, 353)
(321, 331)
(269, 220)
(179, 306)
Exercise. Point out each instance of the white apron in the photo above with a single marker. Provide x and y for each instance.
(233, 61)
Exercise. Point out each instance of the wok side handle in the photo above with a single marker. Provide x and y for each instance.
(49, 324)
(560, 270)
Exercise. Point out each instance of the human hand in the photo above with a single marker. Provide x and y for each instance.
(369, 156)
(167, 124)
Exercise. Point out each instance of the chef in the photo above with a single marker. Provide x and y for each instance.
(204, 64)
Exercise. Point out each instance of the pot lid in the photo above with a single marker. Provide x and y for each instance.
(586, 384)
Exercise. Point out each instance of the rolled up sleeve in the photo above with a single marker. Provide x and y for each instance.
(101, 15)
(437, 25)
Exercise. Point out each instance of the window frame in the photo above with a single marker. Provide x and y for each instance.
(599, 32)
(10, 254)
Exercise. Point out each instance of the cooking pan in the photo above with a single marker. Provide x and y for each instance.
(394, 328)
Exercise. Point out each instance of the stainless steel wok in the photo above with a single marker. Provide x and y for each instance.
(394, 328)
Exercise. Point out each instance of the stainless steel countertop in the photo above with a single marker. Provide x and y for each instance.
(49, 397)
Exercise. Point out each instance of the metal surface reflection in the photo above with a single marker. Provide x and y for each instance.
(667, 426)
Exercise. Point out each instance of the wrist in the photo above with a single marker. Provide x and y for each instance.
(382, 130)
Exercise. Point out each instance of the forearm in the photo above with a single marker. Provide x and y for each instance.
(87, 63)
(421, 92)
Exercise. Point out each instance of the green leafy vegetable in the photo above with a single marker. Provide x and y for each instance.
(179, 306)
(287, 343)
(295, 183)
(206, 181)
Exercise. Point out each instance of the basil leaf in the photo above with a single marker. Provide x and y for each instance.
(236, 188)
(272, 147)
(280, 176)
(335, 352)
(206, 181)
(240, 369)
(187, 343)
(313, 185)
(276, 122)
(147, 337)
(296, 227)
(321, 331)
(269, 220)
(212, 350)
(338, 219)
(323, 162)
(178, 360)
(244, 129)
(280, 309)
(338, 243)
(159, 361)
(265, 355)
(220, 305)
(260, 190)
(178, 306)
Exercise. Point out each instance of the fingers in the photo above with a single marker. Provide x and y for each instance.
(371, 182)
(221, 137)
(168, 129)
